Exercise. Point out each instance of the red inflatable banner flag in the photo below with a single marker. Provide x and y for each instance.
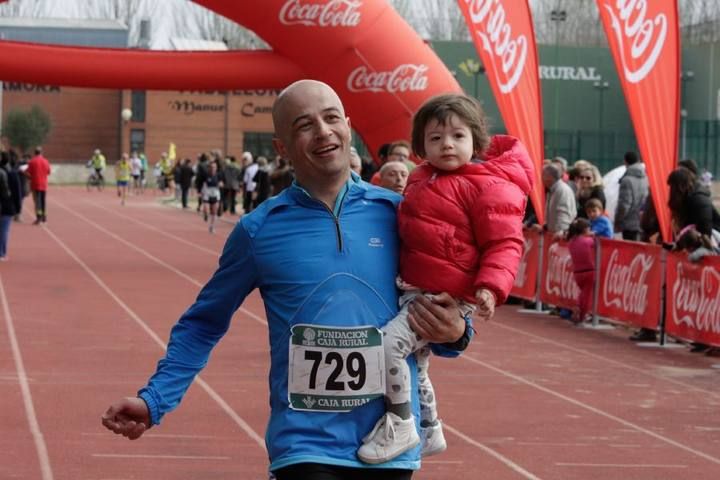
(644, 40)
(693, 299)
(381, 69)
(502, 31)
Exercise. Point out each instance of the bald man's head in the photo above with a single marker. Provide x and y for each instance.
(299, 89)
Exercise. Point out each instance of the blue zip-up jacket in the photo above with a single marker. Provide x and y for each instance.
(312, 266)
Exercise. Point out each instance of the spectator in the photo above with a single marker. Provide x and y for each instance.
(398, 151)
(282, 177)
(599, 223)
(233, 180)
(185, 181)
(38, 171)
(10, 191)
(560, 205)
(690, 202)
(562, 165)
(262, 182)
(249, 184)
(394, 176)
(355, 161)
(590, 186)
(631, 198)
(581, 244)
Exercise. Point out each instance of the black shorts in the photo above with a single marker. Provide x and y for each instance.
(317, 471)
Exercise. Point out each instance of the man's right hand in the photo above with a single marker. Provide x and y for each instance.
(128, 417)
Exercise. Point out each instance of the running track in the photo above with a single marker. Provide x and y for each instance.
(87, 302)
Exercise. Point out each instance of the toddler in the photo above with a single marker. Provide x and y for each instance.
(461, 231)
(581, 244)
(599, 223)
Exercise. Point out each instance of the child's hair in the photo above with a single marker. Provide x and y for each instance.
(690, 239)
(440, 108)
(593, 203)
(577, 228)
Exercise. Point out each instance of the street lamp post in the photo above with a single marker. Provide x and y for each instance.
(479, 70)
(557, 16)
(601, 86)
(685, 76)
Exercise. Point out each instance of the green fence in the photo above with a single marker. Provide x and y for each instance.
(701, 143)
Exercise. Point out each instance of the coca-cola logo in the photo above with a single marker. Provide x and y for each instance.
(625, 286)
(406, 77)
(521, 276)
(559, 280)
(333, 13)
(637, 36)
(508, 53)
(697, 300)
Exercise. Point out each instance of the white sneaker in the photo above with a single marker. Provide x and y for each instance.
(433, 440)
(392, 436)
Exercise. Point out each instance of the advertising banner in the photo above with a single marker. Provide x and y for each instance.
(503, 35)
(644, 40)
(558, 285)
(525, 285)
(693, 299)
(630, 282)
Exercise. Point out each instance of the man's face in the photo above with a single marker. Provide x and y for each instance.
(548, 181)
(399, 154)
(313, 132)
(395, 177)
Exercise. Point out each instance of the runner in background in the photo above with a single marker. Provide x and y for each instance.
(136, 171)
(211, 195)
(122, 176)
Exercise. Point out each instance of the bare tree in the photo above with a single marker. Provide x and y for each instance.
(129, 12)
(208, 25)
(434, 19)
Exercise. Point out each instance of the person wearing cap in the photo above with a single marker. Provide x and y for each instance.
(98, 162)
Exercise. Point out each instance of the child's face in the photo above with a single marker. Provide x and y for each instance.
(593, 213)
(449, 146)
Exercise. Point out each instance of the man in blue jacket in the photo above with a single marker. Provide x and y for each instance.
(324, 255)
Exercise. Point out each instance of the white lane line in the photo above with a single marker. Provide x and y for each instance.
(604, 359)
(619, 465)
(153, 258)
(164, 457)
(208, 389)
(594, 410)
(37, 435)
(502, 458)
(155, 229)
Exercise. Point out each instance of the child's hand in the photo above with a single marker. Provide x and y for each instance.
(485, 303)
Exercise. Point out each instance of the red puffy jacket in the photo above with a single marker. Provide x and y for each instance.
(462, 230)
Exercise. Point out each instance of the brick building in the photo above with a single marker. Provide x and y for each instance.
(84, 119)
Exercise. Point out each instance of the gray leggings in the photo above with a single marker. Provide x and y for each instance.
(399, 342)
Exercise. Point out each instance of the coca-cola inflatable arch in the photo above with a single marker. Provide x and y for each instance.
(376, 62)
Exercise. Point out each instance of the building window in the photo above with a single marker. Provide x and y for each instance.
(137, 141)
(137, 105)
(259, 144)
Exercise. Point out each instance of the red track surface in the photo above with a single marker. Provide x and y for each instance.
(87, 302)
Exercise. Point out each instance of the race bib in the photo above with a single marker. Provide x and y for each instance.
(335, 369)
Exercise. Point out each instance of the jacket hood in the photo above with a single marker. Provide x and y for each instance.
(507, 157)
(635, 170)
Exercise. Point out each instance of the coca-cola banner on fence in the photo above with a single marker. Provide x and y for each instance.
(502, 31)
(693, 299)
(525, 285)
(630, 282)
(558, 286)
(644, 40)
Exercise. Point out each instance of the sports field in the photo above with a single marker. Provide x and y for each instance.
(87, 301)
